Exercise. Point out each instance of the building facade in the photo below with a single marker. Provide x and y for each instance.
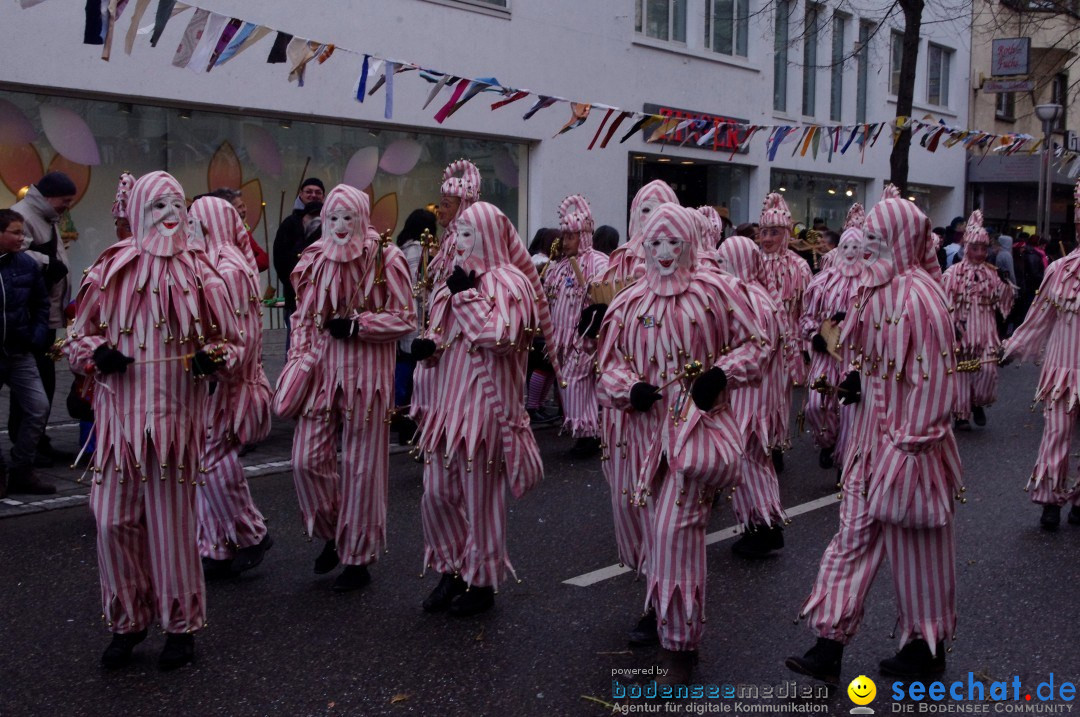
(766, 62)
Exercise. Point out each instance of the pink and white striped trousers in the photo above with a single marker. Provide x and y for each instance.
(1049, 484)
(822, 411)
(976, 389)
(622, 467)
(346, 504)
(228, 518)
(756, 500)
(148, 555)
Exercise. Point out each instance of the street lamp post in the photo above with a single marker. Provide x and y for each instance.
(1049, 114)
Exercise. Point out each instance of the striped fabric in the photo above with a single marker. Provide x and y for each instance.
(228, 518)
(786, 277)
(625, 262)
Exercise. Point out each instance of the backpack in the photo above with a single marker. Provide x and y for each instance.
(1033, 270)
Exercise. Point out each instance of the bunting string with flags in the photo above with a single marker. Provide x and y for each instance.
(211, 39)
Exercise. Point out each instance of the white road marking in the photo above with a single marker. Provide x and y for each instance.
(611, 571)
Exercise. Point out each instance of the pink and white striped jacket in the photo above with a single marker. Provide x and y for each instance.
(360, 280)
(157, 301)
(976, 293)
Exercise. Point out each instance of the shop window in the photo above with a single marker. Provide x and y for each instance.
(1006, 106)
(938, 60)
(896, 52)
(661, 19)
(780, 54)
(727, 24)
(866, 30)
(811, 28)
(836, 69)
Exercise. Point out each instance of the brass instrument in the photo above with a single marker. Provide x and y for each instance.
(424, 283)
(553, 254)
(813, 242)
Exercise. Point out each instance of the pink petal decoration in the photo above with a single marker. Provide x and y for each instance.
(401, 156)
(19, 166)
(263, 149)
(224, 169)
(69, 135)
(506, 169)
(384, 214)
(362, 168)
(253, 199)
(79, 173)
(15, 128)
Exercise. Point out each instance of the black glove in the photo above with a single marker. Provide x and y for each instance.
(707, 387)
(591, 318)
(341, 328)
(203, 364)
(839, 316)
(109, 360)
(820, 344)
(643, 396)
(805, 356)
(422, 349)
(459, 281)
(850, 389)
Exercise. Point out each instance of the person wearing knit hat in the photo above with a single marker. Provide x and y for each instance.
(677, 443)
(290, 241)
(786, 277)
(566, 284)
(828, 298)
(1051, 333)
(977, 294)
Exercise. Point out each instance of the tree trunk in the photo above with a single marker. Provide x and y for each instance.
(898, 160)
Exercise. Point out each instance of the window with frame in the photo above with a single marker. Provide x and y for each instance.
(836, 89)
(727, 25)
(1006, 106)
(811, 28)
(661, 19)
(781, 35)
(938, 60)
(866, 30)
(1059, 95)
(896, 54)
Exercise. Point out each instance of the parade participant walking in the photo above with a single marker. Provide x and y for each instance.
(153, 319)
(232, 532)
(1050, 333)
(828, 298)
(475, 435)
(566, 285)
(786, 278)
(354, 301)
(899, 486)
(682, 432)
(977, 294)
(756, 502)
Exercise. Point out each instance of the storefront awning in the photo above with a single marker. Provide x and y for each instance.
(1012, 169)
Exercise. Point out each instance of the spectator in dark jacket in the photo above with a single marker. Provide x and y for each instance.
(289, 242)
(24, 328)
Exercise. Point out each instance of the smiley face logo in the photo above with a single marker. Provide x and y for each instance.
(862, 690)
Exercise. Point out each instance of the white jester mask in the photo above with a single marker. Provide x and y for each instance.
(669, 241)
(851, 247)
(346, 225)
(875, 248)
(648, 198)
(157, 206)
(341, 226)
(168, 214)
(665, 253)
(466, 244)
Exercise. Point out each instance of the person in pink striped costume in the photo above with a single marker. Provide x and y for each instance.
(714, 228)
(1050, 332)
(683, 434)
(475, 436)
(977, 294)
(153, 319)
(568, 298)
(232, 533)
(899, 487)
(786, 277)
(457, 194)
(756, 502)
(353, 302)
(828, 297)
(626, 262)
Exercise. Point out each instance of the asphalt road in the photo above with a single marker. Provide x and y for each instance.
(279, 642)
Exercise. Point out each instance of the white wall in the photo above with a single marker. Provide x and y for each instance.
(580, 49)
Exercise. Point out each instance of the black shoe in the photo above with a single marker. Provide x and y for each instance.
(46, 448)
(645, 633)
(353, 577)
(822, 661)
(328, 559)
(537, 417)
(1051, 517)
(1074, 515)
(961, 424)
(118, 653)
(758, 541)
(825, 458)
(473, 601)
(245, 449)
(406, 431)
(43, 460)
(29, 484)
(249, 557)
(678, 665)
(178, 651)
(448, 588)
(915, 660)
(778, 460)
(586, 447)
(979, 415)
(216, 569)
